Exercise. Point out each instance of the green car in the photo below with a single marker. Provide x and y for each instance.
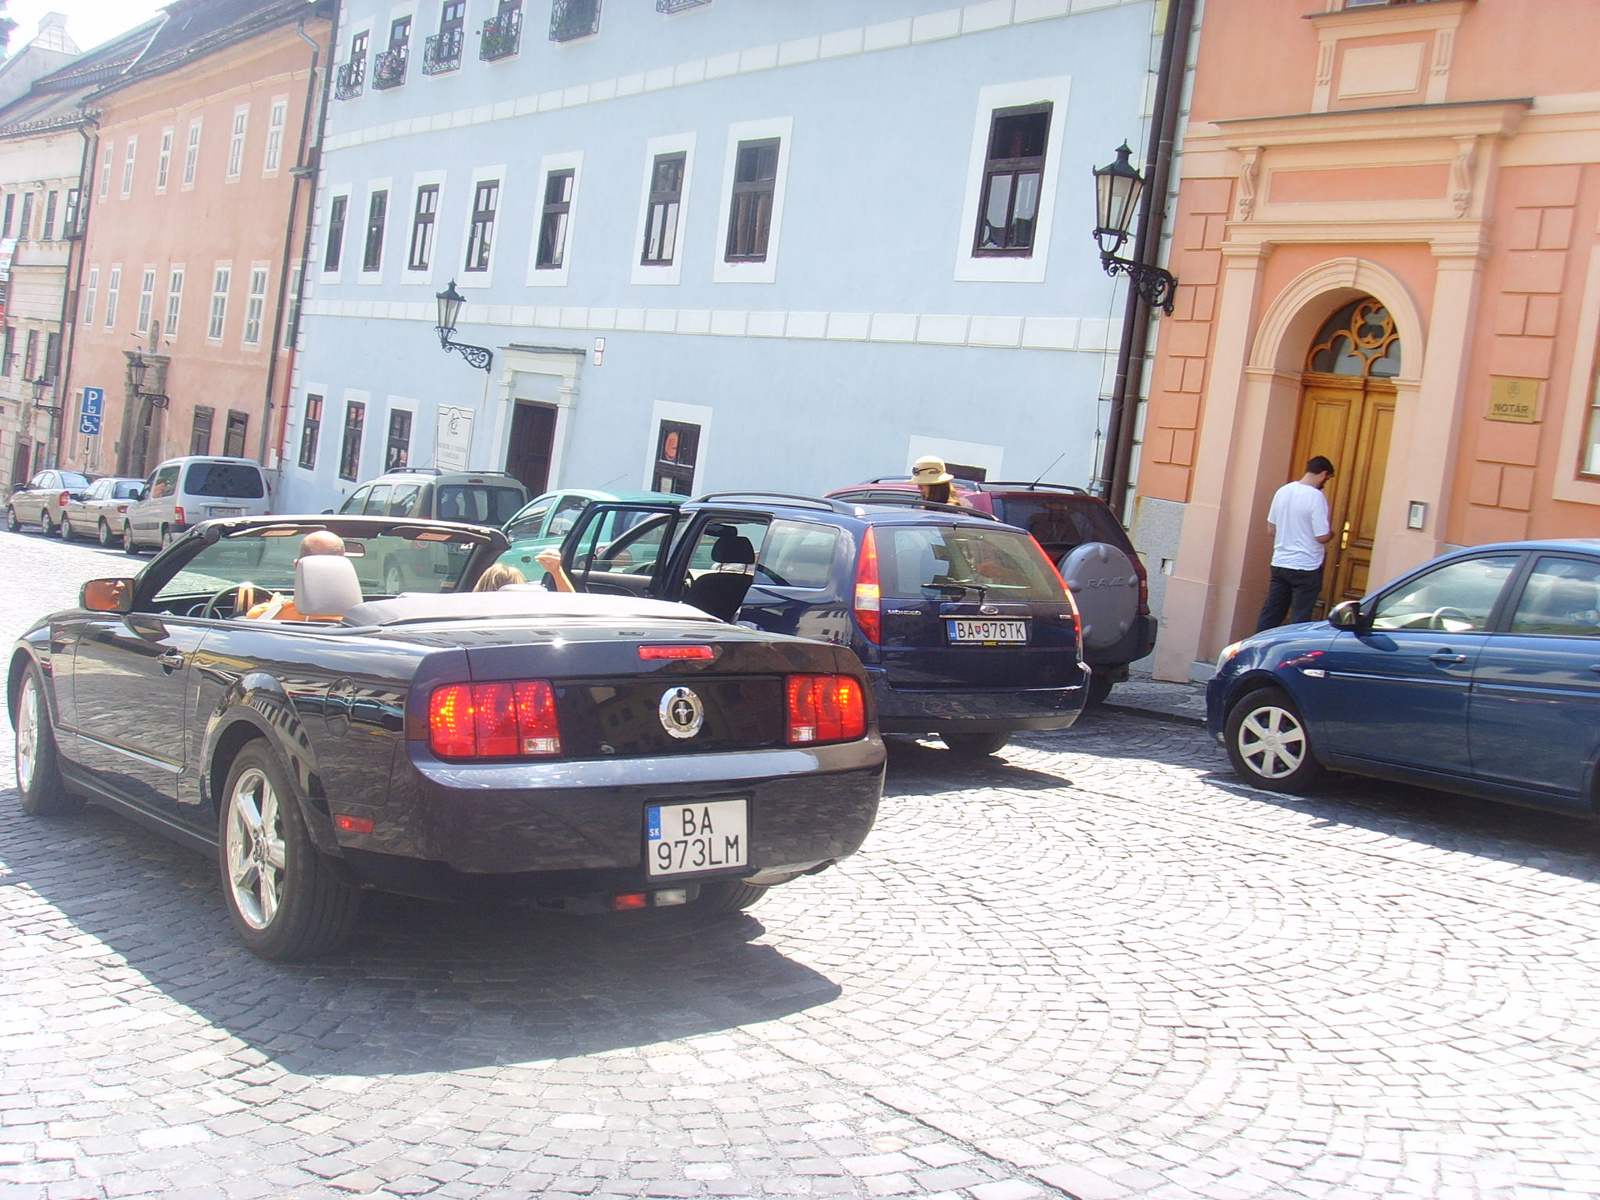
(544, 521)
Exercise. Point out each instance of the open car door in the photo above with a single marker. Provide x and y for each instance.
(621, 549)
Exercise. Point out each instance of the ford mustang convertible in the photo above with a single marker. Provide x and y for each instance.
(267, 702)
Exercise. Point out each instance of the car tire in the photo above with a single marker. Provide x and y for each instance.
(975, 745)
(106, 538)
(129, 546)
(393, 582)
(283, 898)
(1268, 742)
(166, 536)
(46, 525)
(1099, 691)
(41, 790)
(67, 532)
(1104, 581)
(12, 524)
(729, 895)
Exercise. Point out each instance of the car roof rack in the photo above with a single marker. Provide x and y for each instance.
(989, 485)
(441, 471)
(788, 497)
(903, 501)
(971, 485)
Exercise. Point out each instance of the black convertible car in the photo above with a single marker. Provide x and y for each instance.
(588, 752)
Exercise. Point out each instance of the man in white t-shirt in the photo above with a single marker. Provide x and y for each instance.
(1300, 533)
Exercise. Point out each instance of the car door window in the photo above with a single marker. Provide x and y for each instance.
(1457, 597)
(356, 500)
(798, 554)
(404, 501)
(619, 549)
(566, 515)
(377, 500)
(128, 489)
(1562, 598)
(165, 482)
(528, 522)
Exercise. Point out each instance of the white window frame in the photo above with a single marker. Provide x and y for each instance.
(130, 155)
(975, 268)
(362, 275)
(538, 276)
(89, 293)
(297, 428)
(191, 152)
(147, 297)
(164, 160)
(686, 414)
(419, 181)
(240, 128)
(668, 273)
(217, 315)
(255, 304)
(723, 271)
(347, 191)
(113, 291)
(169, 327)
(277, 120)
(107, 164)
(485, 278)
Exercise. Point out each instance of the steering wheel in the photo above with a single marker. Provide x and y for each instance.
(243, 596)
(1436, 619)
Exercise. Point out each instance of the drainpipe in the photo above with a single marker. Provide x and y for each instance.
(304, 172)
(1146, 249)
(72, 284)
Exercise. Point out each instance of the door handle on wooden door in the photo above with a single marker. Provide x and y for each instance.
(1344, 537)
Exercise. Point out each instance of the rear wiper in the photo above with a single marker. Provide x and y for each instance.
(956, 588)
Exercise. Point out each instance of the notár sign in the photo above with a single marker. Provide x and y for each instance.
(1514, 400)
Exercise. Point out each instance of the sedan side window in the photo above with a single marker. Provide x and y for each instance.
(798, 554)
(1456, 597)
(527, 525)
(566, 516)
(1561, 598)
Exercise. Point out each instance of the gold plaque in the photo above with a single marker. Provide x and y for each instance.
(1514, 400)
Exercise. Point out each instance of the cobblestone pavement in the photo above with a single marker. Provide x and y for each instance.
(1096, 967)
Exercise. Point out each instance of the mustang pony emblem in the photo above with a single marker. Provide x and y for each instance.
(681, 712)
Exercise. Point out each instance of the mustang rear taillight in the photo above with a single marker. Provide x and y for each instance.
(868, 594)
(825, 708)
(651, 652)
(494, 720)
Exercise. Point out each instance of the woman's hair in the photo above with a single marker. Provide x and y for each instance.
(939, 493)
(496, 577)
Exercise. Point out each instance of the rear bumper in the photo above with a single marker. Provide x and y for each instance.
(576, 828)
(902, 710)
(1112, 661)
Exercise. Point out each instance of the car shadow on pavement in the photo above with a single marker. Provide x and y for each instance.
(928, 769)
(424, 987)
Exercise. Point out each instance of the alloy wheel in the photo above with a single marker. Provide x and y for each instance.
(255, 849)
(1272, 741)
(27, 733)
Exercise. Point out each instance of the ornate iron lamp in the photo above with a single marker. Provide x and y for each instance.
(450, 302)
(137, 370)
(1117, 190)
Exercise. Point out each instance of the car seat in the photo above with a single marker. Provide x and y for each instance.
(325, 587)
(720, 592)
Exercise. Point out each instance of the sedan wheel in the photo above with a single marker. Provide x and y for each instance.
(107, 539)
(282, 897)
(728, 896)
(393, 584)
(12, 524)
(40, 788)
(46, 525)
(67, 532)
(1268, 743)
(975, 745)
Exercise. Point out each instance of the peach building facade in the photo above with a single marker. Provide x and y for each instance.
(1386, 241)
(196, 225)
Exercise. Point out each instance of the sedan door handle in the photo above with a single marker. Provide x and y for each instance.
(1595, 667)
(171, 661)
(1445, 658)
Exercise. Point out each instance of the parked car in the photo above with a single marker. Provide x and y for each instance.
(1090, 548)
(183, 492)
(1478, 673)
(101, 509)
(589, 752)
(545, 520)
(962, 622)
(43, 499)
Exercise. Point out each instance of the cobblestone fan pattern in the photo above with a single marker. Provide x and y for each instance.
(1095, 967)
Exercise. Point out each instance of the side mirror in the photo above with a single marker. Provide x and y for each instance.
(107, 595)
(139, 493)
(1347, 615)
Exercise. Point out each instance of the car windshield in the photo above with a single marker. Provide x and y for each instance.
(231, 481)
(1057, 521)
(428, 561)
(477, 503)
(929, 562)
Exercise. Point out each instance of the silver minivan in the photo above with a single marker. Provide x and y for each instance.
(186, 491)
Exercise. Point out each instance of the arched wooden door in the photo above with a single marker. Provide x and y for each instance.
(1347, 414)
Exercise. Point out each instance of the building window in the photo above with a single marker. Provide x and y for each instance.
(164, 160)
(10, 211)
(113, 287)
(377, 213)
(397, 453)
(571, 19)
(8, 358)
(30, 358)
(422, 221)
(147, 298)
(174, 301)
(25, 223)
(128, 156)
(88, 296)
(69, 215)
(233, 440)
(352, 77)
(666, 195)
(1591, 444)
(52, 356)
(310, 429)
(277, 117)
(49, 232)
(291, 316)
(1008, 204)
(105, 171)
(241, 122)
(479, 241)
(677, 447)
(442, 51)
(502, 33)
(755, 174)
(219, 301)
(337, 209)
(200, 433)
(191, 155)
(553, 226)
(355, 416)
(254, 304)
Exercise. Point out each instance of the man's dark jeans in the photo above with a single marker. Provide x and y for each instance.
(1291, 592)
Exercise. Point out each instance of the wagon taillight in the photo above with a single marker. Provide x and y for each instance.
(825, 708)
(494, 720)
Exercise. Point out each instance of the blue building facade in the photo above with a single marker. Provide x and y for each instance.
(714, 244)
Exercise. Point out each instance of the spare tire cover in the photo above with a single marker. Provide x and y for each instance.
(1106, 586)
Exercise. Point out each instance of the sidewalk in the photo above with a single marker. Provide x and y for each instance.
(1181, 703)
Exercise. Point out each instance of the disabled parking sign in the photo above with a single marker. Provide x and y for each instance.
(94, 400)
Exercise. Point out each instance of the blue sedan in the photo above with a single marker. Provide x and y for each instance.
(1478, 673)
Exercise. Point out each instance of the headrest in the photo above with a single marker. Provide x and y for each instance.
(325, 585)
(730, 549)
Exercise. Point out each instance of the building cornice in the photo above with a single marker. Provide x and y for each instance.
(1466, 118)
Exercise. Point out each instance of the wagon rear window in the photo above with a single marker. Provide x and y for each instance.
(923, 562)
(232, 481)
